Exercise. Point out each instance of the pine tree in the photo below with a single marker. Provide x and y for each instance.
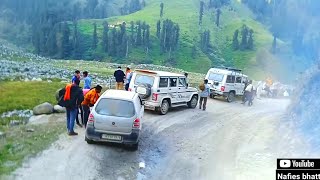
(274, 45)
(95, 37)
(250, 40)
(147, 39)
(158, 28)
(161, 9)
(105, 38)
(218, 17)
(244, 37)
(235, 41)
(65, 41)
(132, 33)
(139, 33)
(77, 52)
(201, 12)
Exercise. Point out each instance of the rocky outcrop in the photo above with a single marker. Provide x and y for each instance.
(45, 108)
(59, 109)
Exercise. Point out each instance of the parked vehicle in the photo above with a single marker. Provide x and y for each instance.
(116, 117)
(161, 90)
(226, 82)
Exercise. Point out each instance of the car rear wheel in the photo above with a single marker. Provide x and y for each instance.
(88, 140)
(193, 102)
(164, 107)
(231, 96)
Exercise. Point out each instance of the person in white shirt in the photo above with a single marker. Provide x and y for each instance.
(249, 94)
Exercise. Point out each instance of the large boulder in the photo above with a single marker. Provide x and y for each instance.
(45, 108)
(59, 109)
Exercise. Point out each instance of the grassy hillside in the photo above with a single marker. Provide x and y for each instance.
(186, 14)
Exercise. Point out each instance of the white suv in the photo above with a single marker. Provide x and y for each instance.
(161, 90)
(226, 82)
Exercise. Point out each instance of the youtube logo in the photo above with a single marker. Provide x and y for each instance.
(285, 163)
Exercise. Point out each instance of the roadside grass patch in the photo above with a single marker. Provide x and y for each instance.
(26, 95)
(20, 144)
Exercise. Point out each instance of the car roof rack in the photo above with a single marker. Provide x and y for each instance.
(229, 68)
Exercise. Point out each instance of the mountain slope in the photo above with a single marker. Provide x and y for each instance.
(186, 14)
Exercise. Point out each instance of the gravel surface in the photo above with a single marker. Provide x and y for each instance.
(228, 141)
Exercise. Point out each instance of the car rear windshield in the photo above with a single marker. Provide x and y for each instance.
(215, 77)
(115, 107)
(144, 79)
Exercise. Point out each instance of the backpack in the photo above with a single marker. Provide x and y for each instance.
(60, 98)
(202, 87)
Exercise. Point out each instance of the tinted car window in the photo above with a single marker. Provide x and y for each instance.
(230, 79)
(173, 82)
(215, 77)
(144, 79)
(115, 107)
(163, 82)
(182, 82)
(238, 80)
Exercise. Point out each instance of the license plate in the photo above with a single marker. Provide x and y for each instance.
(111, 137)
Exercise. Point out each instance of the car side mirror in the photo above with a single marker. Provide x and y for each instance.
(187, 86)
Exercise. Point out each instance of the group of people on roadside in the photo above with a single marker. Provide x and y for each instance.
(75, 99)
(123, 79)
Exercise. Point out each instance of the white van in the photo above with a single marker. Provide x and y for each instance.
(226, 82)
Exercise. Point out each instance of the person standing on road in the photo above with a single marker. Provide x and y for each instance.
(205, 92)
(87, 80)
(73, 97)
(89, 100)
(128, 78)
(76, 80)
(248, 94)
(119, 75)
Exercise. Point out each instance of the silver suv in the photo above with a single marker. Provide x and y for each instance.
(116, 117)
(161, 90)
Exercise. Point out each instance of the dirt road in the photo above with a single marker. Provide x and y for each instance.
(226, 142)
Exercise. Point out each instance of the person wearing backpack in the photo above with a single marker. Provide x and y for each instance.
(71, 97)
(89, 100)
(204, 94)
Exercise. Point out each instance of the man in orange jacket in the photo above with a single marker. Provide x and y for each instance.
(89, 100)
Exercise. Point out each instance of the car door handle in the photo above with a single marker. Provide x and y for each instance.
(169, 89)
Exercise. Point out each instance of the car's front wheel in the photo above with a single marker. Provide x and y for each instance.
(164, 107)
(193, 102)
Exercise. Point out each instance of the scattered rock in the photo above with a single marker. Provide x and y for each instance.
(142, 165)
(45, 108)
(30, 130)
(15, 123)
(59, 109)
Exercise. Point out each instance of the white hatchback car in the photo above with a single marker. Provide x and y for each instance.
(116, 117)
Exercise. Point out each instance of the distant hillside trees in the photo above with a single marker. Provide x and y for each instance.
(218, 17)
(247, 40)
(131, 6)
(158, 28)
(169, 37)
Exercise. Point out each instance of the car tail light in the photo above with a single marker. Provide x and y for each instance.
(223, 88)
(154, 97)
(91, 119)
(136, 123)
